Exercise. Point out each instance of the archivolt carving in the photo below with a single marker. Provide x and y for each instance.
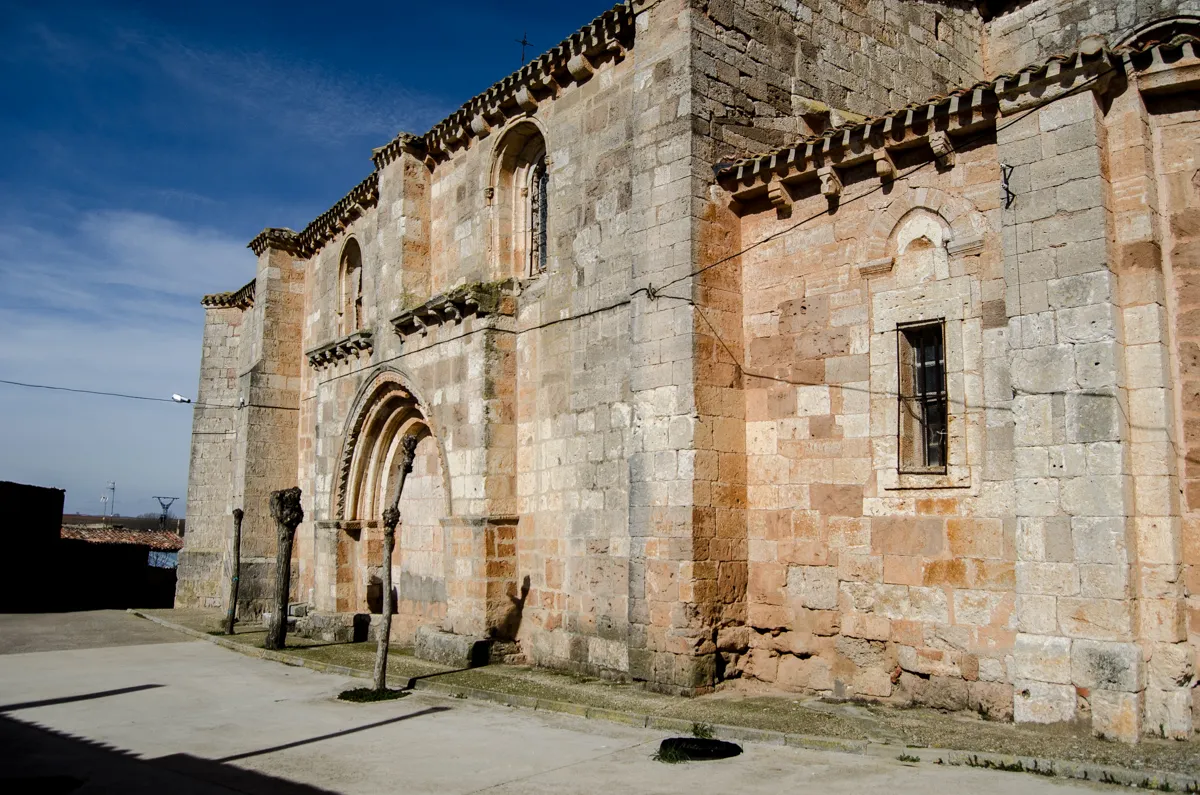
(385, 410)
(962, 219)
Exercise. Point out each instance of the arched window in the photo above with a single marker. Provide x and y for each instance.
(1163, 31)
(350, 302)
(520, 197)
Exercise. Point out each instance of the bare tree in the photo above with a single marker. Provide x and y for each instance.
(391, 518)
(231, 614)
(285, 508)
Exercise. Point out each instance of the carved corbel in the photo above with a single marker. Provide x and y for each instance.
(580, 67)
(831, 183)
(480, 126)
(943, 149)
(494, 115)
(421, 325)
(885, 167)
(525, 99)
(780, 198)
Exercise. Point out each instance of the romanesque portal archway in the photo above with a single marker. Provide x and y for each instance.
(388, 412)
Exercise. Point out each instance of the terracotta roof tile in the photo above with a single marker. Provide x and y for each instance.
(154, 539)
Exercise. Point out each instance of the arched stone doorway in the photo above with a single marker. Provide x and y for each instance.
(387, 412)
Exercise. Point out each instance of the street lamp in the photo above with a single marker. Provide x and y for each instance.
(180, 399)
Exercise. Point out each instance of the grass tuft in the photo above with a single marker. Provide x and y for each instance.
(704, 731)
(669, 756)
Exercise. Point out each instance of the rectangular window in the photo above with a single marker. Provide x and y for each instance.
(922, 397)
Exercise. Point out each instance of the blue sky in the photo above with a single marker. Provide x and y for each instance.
(144, 145)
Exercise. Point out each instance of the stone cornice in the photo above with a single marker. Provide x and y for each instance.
(327, 225)
(477, 300)
(354, 344)
(934, 125)
(242, 298)
(404, 142)
(283, 239)
(334, 221)
(1166, 67)
(574, 60)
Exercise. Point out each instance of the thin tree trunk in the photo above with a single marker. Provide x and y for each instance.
(285, 507)
(391, 518)
(385, 626)
(231, 614)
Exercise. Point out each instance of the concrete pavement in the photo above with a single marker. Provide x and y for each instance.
(192, 717)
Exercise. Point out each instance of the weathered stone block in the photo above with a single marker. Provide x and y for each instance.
(993, 700)
(1169, 713)
(1107, 666)
(1039, 702)
(1093, 418)
(1172, 666)
(814, 587)
(1115, 715)
(1099, 619)
(460, 651)
(1041, 658)
(1099, 539)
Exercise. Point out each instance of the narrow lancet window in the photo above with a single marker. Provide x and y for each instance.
(350, 309)
(520, 199)
(538, 206)
(923, 409)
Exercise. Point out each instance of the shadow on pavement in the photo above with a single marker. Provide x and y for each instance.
(35, 759)
(49, 702)
(377, 724)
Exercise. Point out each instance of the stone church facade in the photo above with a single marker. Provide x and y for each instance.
(731, 353)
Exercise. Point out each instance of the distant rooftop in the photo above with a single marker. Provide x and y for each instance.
(162, 540)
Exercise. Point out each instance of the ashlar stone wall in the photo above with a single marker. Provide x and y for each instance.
(1044, 575)
(864, 581)
(1033, 31)
(210, 475)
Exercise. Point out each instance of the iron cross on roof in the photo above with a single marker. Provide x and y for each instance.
(524, 42)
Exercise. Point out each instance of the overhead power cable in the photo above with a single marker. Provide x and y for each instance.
(652, 292)
(149, 398)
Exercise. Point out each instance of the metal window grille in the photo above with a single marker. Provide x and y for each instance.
(538, 207)
(923, 404)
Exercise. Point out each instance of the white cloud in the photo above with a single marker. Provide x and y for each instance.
(112, 304)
